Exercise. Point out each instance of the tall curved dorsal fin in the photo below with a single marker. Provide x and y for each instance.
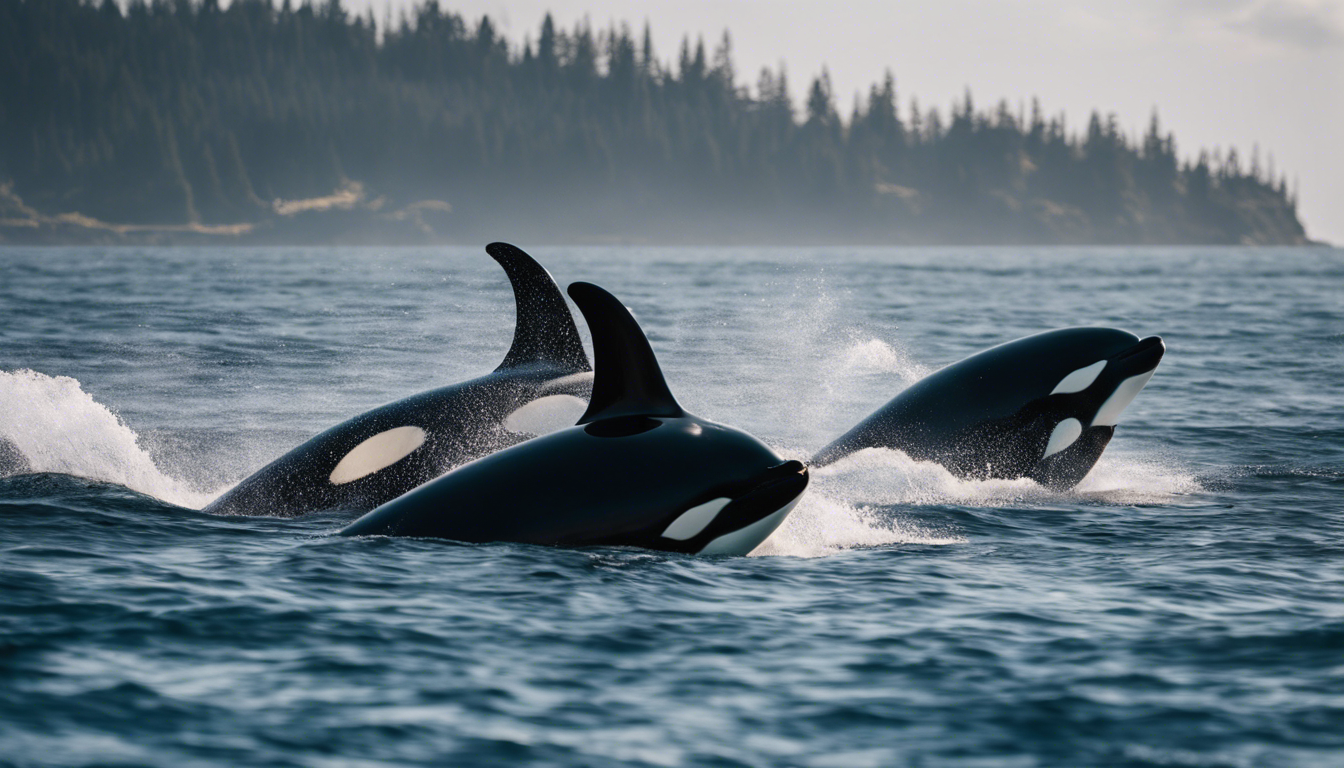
(626, 378)
(544, 329)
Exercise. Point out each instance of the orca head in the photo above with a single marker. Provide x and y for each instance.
(737, 523)
(1081, 410)
(740, 490)
(1042, 407)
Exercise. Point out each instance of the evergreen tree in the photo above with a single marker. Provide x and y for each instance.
(190, 112)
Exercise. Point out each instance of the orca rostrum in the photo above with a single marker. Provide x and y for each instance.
(542, 385)
(636, 470)
(1042, 407)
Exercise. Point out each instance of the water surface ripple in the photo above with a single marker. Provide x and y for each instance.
(1183, 607)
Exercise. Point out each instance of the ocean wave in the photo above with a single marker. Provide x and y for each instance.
(60, 428)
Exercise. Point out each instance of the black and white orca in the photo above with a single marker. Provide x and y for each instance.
(637, 470)
(542, 385)
(1042, 407)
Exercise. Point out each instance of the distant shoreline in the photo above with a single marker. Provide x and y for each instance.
(145, 236)
(189, 122)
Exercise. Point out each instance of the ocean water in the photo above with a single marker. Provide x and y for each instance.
(1183, 607)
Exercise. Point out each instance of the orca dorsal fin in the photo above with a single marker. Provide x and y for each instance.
(544, 328)
(626, 378)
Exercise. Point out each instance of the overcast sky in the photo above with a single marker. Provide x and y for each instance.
(1219, 72)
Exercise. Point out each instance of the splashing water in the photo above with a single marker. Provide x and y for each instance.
(1198, 625)
(1126, 479)
(821, 525)
(58, 427)
(889, 477)
(836, 516)
(875, 356)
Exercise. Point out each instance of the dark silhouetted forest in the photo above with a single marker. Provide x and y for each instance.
(303, 122)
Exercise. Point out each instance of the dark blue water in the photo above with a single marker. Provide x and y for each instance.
(1183, 607)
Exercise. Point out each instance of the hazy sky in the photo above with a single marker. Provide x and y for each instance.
(1219, 72)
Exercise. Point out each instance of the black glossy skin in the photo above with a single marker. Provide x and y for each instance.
(616, 482)
(462, 421)
(634, 465)
(991, 415)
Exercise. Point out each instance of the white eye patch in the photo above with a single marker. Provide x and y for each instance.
(741, 542)
(378, 452)
(1065, 434)
(545, 415)
(1109, 413)
(574, 379)
(1080, 379)
(695, 519)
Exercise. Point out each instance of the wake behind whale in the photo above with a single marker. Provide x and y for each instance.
(544, 332)
(60, 428)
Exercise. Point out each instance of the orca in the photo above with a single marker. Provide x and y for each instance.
(12, 460)
(636, 470)
(542, 385)
(1042, 407)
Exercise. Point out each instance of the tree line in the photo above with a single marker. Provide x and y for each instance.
(165, 112)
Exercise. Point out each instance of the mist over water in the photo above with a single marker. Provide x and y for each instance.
(1181, 606)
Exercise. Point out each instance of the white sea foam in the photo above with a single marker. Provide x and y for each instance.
(836, 514)
(1121, 478)
(838, 511)
(59, 427)
(822, 525)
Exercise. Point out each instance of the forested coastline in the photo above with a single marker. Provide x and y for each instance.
(181, 121)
